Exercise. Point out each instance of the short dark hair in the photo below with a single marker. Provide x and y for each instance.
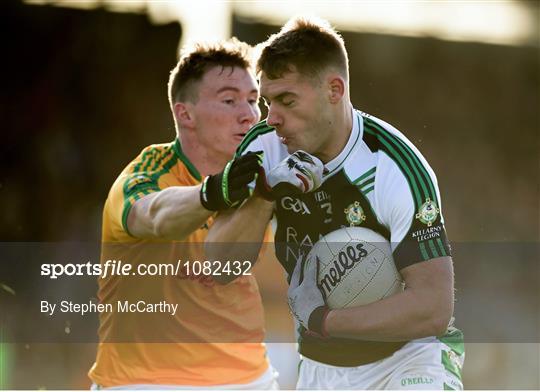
(311, 45)
(199, 58)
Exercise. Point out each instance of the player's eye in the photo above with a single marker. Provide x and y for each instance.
(287, 103)
(253, 101)
(228, 101)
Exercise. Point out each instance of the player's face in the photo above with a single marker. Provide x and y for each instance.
(298, 108)
(227, 107)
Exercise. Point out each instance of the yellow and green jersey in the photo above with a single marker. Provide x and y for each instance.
(216, 335)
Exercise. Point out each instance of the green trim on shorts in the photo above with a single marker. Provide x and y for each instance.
(452, 358)
(450, 365)
(454, 340)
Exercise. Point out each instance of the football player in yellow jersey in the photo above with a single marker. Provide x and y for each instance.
(165, 200)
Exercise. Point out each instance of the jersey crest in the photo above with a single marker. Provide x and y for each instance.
(428, 212)
(355, 214)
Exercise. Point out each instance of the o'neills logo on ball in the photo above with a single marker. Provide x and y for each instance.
(346, 259)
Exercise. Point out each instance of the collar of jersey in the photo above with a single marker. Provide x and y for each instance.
(356, 134)
(180, 154)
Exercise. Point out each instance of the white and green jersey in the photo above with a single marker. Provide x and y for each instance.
(379, 181)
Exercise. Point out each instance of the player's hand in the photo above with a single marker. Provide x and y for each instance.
(306, 300)
(230, 187)
(299, 173)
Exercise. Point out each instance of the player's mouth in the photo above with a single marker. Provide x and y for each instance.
(240, 136)
(284, 139)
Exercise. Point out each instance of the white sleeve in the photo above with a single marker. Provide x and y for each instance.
(416, 235)
(393, 200)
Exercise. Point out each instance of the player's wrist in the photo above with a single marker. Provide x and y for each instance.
(262, 189)
(318, 321)
(204, 196)
(230, 188)
(261, 199)
(260, 193)
(210, 193)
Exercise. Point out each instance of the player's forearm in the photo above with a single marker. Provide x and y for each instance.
(399, 318)
(422, 309)
(238, 234)
(244, 224)
(172, 214)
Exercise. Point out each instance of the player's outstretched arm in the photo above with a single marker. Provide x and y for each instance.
(170, 214)
(237, 234)
(175, 212)
(423, 309)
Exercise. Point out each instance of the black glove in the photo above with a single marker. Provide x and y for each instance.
(230, 187)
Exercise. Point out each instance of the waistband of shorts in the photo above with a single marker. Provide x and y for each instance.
(325, 365)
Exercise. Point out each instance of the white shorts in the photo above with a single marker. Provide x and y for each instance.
(267, 381)
(423, 364)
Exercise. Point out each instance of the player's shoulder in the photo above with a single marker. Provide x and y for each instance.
(153, 158)
(380, 135)
(138, 179)
(146, 167)
(398, 160)
(256, 135)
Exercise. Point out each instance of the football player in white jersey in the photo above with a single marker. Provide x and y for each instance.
(327, 165)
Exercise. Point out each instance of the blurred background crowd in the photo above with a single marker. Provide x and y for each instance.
(84, 90)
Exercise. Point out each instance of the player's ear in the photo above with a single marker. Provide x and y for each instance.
(336, 88)
(184, 115)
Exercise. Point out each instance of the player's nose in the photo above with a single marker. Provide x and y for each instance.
(273, 119)
(249, 114)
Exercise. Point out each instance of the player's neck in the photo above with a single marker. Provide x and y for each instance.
(204, 161)
(339, 136)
